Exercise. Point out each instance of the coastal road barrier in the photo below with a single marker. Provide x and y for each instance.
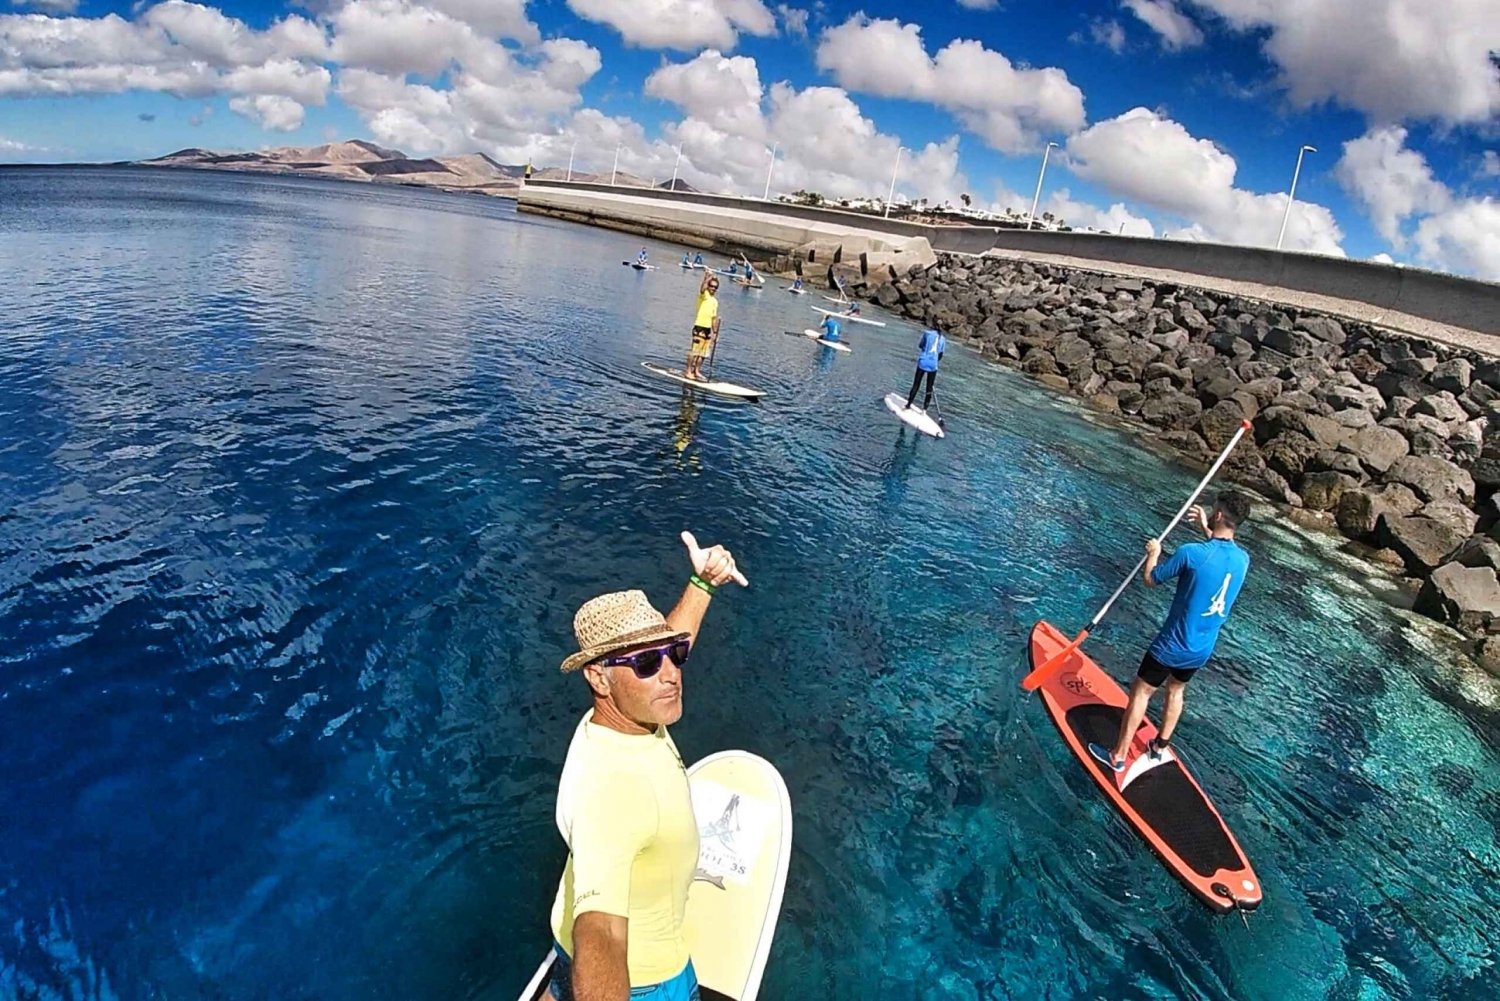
(1465, 303)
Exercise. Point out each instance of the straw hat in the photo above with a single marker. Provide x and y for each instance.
(616, 621)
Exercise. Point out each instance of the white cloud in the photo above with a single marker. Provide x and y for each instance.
(396, 37)
(1008, 107)
(1176, 29)
(1383, 259)
(1146, 157)
(175, 47)
(1390, 181)
(13, 146)
(979, 4)
(793, 19)
(1393, 60)
(686, 25)
(1080, 215)
(826, 144)
(269, 111)
(1490, 166)
(1396, 185)
(1108, 34)
(1463, 238)
(492, 18)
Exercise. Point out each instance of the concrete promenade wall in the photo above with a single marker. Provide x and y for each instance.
(1463, 303)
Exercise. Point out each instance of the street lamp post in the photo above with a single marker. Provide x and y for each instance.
(616, 168)
(1292, 194)
(570, 158)
(1038, 196)
(673, 186)
(894, 171)
(767, 196)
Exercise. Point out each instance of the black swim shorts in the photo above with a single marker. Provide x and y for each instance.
(1154, 673)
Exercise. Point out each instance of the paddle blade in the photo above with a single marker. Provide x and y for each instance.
(1052, 664)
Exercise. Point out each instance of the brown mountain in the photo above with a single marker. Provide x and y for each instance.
(358, 160)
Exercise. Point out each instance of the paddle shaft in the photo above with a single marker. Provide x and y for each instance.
(1034, 680)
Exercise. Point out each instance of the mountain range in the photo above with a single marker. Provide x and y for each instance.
(360, 160)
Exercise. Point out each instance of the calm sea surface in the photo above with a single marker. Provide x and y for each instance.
(301, 483)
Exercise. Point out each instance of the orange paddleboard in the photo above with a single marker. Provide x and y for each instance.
(1156, 794)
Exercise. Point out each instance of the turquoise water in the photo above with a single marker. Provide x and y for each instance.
(301, 482)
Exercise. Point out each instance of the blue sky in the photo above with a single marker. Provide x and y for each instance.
(1172, 117)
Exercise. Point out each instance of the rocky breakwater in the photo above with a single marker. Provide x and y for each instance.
(1393, 441)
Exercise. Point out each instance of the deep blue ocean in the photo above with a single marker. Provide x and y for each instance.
(302, 481)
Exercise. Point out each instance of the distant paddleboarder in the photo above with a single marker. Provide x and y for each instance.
(797, 284)
(1209, 576)
(640, 259)
(705, 327)
(930, 349)
(623, 803)
(697, 260)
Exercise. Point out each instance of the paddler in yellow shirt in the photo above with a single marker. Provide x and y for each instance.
(705, 328)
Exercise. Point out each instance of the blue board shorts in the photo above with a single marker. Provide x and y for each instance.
(683, 987)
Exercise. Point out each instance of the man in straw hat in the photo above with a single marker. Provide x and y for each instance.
(623, 804)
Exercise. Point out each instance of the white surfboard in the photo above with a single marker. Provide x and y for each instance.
(846, 316)
(744, 846)
(794, 291)
(916, 416)
(721, 388)
(817, 335)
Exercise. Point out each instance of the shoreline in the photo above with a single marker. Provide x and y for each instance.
(1385, 440)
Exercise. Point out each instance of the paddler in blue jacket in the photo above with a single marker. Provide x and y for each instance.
(929, 353)
(1209, 576)
(830, 328)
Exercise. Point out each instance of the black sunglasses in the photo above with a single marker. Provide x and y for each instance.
(646, 663)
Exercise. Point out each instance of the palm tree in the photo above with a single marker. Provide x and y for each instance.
(966, 200)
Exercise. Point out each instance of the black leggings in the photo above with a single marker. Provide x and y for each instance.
(916, 381)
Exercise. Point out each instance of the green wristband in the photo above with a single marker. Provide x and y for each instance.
(702, 584)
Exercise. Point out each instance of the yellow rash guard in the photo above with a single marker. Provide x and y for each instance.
(708, 309)
(624, 808)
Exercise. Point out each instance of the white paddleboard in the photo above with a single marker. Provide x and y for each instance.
(721, 388)
(744, 845)
(640, 267)
(916, 416)
(817, 335)
(846, 316)
(841, 302)
(794, 291)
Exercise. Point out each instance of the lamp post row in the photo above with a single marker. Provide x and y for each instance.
(1291, 197)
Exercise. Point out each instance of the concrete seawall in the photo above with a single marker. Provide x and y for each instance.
(1443, 307)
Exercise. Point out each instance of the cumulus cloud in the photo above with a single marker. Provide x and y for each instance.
(979, 4)
(1176, 29)
(1081, 215)
(1490, 165)
(270, 111)
(826, 143)
(793, 19)
(175, 47)
(1390, 181)
(1464, 238)
(1393, 60)
(493, 100)
(14, 146)
(1106, 33)
(686, 25)
(1146, 157)
(1007, 106)
(1396, 185)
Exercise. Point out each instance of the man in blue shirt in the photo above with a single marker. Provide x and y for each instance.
(929, 352)
(830, 328)
(1209, 576)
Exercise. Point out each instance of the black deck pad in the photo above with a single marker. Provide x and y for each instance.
(1164, 797)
